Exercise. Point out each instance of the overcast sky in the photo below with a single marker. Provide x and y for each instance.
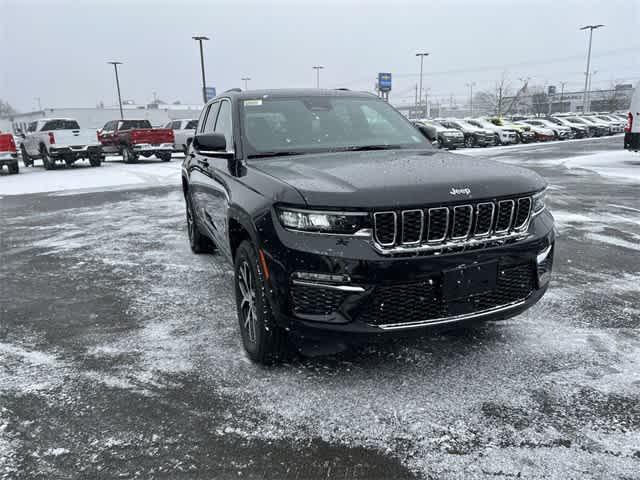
(56, 50)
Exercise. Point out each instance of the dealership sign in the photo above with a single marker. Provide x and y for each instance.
(384, 82)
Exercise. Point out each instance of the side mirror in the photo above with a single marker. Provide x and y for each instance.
(213, 144)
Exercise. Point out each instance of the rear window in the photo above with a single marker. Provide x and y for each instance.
(192, 125)
(61, 125)
(130, 124)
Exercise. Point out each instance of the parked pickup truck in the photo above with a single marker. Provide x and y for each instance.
(132, 138)
(342, 223)
(183, 132)
(59, 139)
(8, 153)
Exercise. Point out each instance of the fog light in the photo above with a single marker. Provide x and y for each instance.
(321, 277)
(544, 262)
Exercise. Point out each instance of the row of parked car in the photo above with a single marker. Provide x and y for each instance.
(488, 131)
(61, 140)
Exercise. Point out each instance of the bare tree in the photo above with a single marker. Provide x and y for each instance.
(495, 101)
(612, 99)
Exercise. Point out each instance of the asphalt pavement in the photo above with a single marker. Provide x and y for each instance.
(120, 355)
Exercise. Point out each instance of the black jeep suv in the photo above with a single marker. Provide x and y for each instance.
(341, 220)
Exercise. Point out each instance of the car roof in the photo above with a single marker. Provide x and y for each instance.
(292, 92)
(56, 118)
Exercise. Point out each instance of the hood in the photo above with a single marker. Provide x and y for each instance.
(397, 178)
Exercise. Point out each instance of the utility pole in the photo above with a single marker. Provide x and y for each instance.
(421, 55)
(246, 82)
(416, 103)
(585, 98)
(562, 84)
(115, 68)
(199, 39)
(317, 68)
(39, 103)
(471, 85)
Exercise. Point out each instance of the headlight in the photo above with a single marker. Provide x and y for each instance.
(344, 223)
(538, 202)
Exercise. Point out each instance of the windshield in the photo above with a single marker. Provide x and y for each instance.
(323, 124)
(191, 125)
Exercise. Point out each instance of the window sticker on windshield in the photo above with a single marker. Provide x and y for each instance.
(253, 103)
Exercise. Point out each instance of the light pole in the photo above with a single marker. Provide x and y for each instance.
(421, 55)
(39, 103)
(246, 82)
(115, 69)
(562, 84)
(317, 68)
(585, 98)
(471, 85)
(199, 39)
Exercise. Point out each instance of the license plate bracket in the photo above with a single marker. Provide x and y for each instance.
(470, 280)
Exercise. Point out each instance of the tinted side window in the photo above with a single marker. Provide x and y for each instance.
(175, 125)
(224, 123)
(192, 125)
(210, 122)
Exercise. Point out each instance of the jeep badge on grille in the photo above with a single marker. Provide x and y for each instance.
(460, 191)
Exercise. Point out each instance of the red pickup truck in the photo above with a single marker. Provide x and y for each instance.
(8, 153)
(132, 138)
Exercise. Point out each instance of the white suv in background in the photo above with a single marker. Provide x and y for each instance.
(183, 132)
(504, 135)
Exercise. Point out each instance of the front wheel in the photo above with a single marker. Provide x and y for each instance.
(498, 141)
(263, 340)
(128, 156)
(165, 157)
(26, 159)
(14, 168)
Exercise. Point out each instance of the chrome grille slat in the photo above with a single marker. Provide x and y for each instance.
(472, 223)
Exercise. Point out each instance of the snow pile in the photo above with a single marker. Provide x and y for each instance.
(82, 178)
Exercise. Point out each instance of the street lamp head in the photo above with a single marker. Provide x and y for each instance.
(425, 54)
(114, 63)
(318, 67)
(592, 27)
(201, 37)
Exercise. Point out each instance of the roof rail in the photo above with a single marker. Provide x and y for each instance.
(343, 89)
(233, 90)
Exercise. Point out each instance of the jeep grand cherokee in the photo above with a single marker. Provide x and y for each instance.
(341, 220)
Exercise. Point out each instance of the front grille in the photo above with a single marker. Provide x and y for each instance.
(423, 301)
(451, 224)
(314, 300)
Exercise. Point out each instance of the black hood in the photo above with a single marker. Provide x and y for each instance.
(397, 178)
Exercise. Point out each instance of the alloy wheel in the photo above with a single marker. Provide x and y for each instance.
(246, 284)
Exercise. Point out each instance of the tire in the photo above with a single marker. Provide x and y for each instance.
(48, 163)
(263, 340)
(197, 241)
(26, 159)
(165, 157)
(128, 156)
(14, 168)
(95, 160)
(440, 143)
(498, 141)
(185, 150)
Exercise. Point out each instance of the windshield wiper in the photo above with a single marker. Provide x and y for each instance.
(364, 148)
(275, 154)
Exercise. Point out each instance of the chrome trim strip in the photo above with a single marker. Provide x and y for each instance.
(457, 318)
(513, 207)
(493, 212)
(342, 288)
(421, 227)
(542, 256)
(457, 244)
(526, 222)
(446, 228)
(395, 228)
(470, 208)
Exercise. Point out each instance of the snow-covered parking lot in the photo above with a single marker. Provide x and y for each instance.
(120, 357)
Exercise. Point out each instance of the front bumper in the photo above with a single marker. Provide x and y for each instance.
(453, 142)
(382, 294)
(149, 147)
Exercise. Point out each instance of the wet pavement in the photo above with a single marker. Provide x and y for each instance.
(120, 355)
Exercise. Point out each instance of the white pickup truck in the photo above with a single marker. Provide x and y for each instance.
(183, 132)
(59, 139)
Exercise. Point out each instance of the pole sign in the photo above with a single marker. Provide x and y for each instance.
(210, 92)
(384, 82)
